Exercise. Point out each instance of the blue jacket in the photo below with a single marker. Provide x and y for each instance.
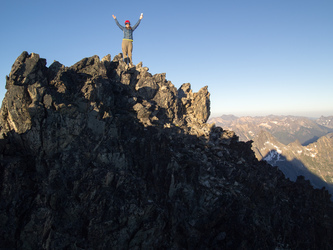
(128, 33)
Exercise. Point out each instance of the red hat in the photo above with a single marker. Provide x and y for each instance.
(127, 22)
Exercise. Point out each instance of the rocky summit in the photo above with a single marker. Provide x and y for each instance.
(102, 156)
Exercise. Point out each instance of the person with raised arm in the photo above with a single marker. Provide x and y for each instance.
(127, 43)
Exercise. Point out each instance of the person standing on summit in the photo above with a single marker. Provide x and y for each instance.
(127, 44)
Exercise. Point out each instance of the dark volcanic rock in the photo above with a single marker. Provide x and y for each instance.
(99, 156)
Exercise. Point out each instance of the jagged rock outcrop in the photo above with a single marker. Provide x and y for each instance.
(100, 156)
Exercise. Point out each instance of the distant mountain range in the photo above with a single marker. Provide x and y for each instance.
(325, 121)
(297, 145)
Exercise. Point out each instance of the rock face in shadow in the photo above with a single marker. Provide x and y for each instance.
(100, 156)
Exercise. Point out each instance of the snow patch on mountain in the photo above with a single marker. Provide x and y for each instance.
(274, 154)
(265, 124)
(312, 152)
(273, 146)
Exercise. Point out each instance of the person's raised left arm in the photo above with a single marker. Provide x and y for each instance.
(138, 22)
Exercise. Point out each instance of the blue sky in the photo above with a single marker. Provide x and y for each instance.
(258, 57)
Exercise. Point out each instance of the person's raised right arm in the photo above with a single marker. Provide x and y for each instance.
(115, 18)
